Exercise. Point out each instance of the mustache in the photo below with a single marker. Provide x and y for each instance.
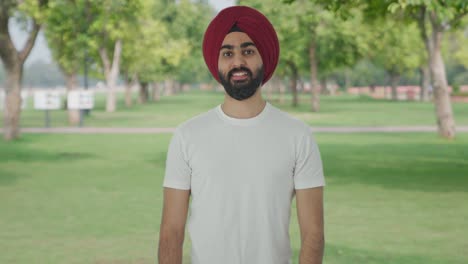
(231, 72)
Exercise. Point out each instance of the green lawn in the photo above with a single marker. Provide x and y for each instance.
(344, 110)
(390, 198)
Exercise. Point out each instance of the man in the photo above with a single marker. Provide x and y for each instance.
(242, 162)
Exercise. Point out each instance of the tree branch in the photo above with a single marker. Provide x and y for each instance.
(105, 60)
(117, 52)
(23, 54)
(458, 17)
(8, 51)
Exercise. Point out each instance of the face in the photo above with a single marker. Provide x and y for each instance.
(240, 66)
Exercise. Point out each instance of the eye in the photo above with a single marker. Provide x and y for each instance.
(248, 52)
(227, 53)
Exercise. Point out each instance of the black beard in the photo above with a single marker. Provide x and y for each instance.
(245, 89)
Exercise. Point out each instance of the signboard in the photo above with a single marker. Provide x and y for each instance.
(24, 98)
(81, 99)
(47, 100)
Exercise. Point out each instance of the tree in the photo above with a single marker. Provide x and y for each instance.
(434, 18)
(186, 21)
(441, 17)
(192, 18)
(152, 51)
(66, 33)
(396, 47)
(109, 25)
(31, 11)
(313, 41)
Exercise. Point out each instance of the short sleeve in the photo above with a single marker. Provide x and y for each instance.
(308, 170)
(178, 171)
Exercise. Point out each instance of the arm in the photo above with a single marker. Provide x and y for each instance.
(310, 216)
(172, 230)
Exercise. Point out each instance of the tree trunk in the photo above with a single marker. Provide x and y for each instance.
(432, 40)
(128, 91)
(177, 87)
(394, 81)
(112, 72)
(156, 91)
(425, 82)
(313, 77)
(347, 82)
(300, 86)
(12, 110)
(323, 86)
(443, 105)
(168, 87)
(274, 87)
(144, 93)
(13, 61)
(73, 114)
(293, 82)
(281, 91)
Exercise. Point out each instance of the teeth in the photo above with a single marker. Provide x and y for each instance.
(239, 73)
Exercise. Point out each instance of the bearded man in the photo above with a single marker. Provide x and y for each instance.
(242, 162)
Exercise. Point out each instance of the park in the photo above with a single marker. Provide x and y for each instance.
(84, 184)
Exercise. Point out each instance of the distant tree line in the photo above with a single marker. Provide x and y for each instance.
(40, 74)
(149, 42)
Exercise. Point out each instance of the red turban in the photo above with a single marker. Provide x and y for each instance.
(251, 22)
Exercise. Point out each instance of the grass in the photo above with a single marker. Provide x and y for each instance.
(343, 110)
(390, 198)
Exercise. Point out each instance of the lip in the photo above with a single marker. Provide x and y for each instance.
(241, 77)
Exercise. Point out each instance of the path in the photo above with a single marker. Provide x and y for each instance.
(156, 130)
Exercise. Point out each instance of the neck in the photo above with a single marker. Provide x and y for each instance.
(247, 108)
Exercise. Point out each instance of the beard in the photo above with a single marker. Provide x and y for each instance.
(241, 90)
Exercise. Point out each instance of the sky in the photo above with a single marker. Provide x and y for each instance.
(41, 52)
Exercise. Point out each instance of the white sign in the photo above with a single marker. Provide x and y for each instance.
(24, 100)
(47, 100)
(81, 99)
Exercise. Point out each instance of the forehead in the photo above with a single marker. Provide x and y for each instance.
(236, 38)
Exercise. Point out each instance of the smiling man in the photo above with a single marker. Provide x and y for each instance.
(242, 162)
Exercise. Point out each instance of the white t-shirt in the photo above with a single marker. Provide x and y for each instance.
(242, 174)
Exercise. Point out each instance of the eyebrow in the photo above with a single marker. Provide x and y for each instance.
(243, 45)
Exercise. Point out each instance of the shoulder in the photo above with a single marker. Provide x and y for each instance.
(197, 123)
(289, 123)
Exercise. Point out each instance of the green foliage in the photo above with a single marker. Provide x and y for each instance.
(446, 12)
(67, 33)
(396, 46)
(33, 9)
(77, 29)
(340, 43)
(187, 21)
(166, 42)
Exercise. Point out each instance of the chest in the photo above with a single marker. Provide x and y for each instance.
(235, 162)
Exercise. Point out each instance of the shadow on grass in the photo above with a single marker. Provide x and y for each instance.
(20, 153)
(411, 166)
(8, 177)
(340, 254)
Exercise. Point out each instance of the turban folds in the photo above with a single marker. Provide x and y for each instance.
(251, 22)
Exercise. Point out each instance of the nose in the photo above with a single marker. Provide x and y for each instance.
(238, 60)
